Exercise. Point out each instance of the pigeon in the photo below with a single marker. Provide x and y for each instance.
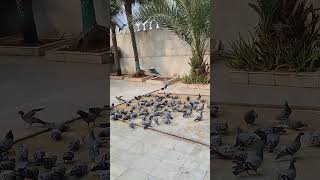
(92, 139)
(10, 175)
(314, 138)
(294, 124)
(201, 107)
(7, 142)
(165, 84)
(148, 123)
(216, 140)
(199, 97)
(246, 138)
(74, 145)
(273, 140)
(87, 117)
(250, 117)
(131, 124)
(104, 133)
(79, 170)
(288, 174)
(7, 165)
(93, 151)
(220, 128)
(154, 71)
(167, 120)
(252, 161)
(285, 113)
(214, 111)
(63, 127)
(96, 111)
(68, 156)
(49, 161)
(291, 148)
(56, 173)
(56, 134)
(102, 163)
(38, 156)
(104, 176)
(264, 131)
(30, 118)
(187, 113)
(119, 98)
(199, 117)
(29, 173)
(22, 154)
(156, 120)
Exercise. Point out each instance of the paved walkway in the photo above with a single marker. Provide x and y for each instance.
(31, 82)
(149, 155)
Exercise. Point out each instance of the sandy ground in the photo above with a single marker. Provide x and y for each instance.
(308, 158)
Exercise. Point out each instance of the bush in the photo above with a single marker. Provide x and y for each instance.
(286, 38)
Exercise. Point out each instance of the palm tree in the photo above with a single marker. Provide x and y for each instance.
(189, 19)
(115, 10)
(27, 24)
(128, 11)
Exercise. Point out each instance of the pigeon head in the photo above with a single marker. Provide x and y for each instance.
(21, 113)
(9, 135)
(253, 113)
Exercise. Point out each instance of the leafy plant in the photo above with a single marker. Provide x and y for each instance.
(189, 20)
(286, 38)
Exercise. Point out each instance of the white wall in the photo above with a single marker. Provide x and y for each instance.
(56, 17)
(157, 48)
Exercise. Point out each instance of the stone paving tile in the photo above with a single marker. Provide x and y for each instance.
(133, 174)
(155, 155)
(190, 174)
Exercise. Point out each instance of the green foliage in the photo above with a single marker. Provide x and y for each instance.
(195, 79)
(188, 19)
(286, 38)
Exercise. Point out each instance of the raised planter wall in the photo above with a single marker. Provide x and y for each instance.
(32, 51)
(264, 88)
(285, 79)
(78, 57)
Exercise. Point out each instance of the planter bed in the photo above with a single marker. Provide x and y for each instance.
(135, 79)
(64, 55)
(286, 79)
(198, 86)
(159, 80)
(15, 46)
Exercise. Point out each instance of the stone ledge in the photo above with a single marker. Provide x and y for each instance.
(32, 51)
(285, 79)
(132, 79)
(198, 86)
(114, 77)
(77, 56)
(158, 82)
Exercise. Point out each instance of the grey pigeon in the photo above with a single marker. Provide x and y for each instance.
(29, 173)
(79, 170)
(38, 156)
(154, 71)
(104, 176)
(7, 142)
(199, 117)
(201, 107)
(147, 124)
(49, 161)
(295, 124)
(7, 165)
(166, 120)
(93, 151)
(131, 124)
(291, 148)
(220, 128)
(74, 145)
(187, 113)
(264, 131)
(314, 138)
(250, 117)
(216, 140)
(56, 173)
(30, 118)
(92, 139)
(105, 132)
(246, 138)
(87, 117)
(56, 134)
(288, 174)
(10, 175)
(156, 120)
(214, 111)
(273, 140)
(252, 161)
(22, 154)
(68, 156)
(285, 113)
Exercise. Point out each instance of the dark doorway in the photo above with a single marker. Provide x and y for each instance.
(8, 18)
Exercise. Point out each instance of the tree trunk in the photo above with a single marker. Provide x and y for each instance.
(88, 15)
(115, 50)
(27, 24)
(128, 10)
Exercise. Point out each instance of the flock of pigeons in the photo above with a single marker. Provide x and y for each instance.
(248, 152)
(149, 108)
(23, 166)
